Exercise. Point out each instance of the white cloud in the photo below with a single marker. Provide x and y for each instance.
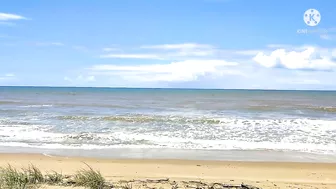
(108, 49)
(80, 48)
(325, 37)
(5, 36)
(188, 70)
(311, 58)
(183, 51)
(178, 46)
(80, 78)
(91, 78)
(299, 81)
(67, 79)
(133, 56)
(162, 56)
(278, 46)
(328, 37)
(57, 43)
(188, 53)
(7, 17)
(167, 51)
(247, 52)
(86, 78)
(49, 44)
(9, 75)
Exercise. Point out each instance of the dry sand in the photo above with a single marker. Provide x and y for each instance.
(262, 174)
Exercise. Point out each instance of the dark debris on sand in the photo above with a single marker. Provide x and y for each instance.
(185, 184)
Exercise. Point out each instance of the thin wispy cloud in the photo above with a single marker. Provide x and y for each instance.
(49, 44)
(175, 71)
(178, 46)
(109, 49)
(80, 48)
(183, 51)
(57, 43)
(246, 52)
(7, 23)
(80, 78)
(7, 17)
(278, 46)
(7, 76)
(133, 56)
(298, 81)
(328, 37)
(166, 51)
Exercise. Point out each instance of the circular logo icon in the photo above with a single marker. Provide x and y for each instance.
(312, 17)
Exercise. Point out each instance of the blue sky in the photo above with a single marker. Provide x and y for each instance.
(167, 43)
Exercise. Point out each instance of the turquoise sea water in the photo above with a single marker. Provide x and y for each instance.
(96, 119)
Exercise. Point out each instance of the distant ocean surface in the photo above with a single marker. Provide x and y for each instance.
(173, 119)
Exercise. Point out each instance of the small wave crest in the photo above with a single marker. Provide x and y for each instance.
(144, 119)
(37, 106)
(324, 109)
(5, 102)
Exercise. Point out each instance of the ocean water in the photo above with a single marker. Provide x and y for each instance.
(99, 120)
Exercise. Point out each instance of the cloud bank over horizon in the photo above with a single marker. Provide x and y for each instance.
(275, 66)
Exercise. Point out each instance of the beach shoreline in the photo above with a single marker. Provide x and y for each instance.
(261, 174)
(184, 154)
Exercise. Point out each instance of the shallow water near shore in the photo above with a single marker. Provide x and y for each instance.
(178, 154)
(169, 123)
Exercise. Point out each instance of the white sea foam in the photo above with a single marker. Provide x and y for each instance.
(301, 135)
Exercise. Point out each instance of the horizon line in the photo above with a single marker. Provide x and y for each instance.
(176, 88)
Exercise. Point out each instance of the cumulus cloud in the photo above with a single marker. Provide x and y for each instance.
(7, 17)
(311, 58)
(176, 71)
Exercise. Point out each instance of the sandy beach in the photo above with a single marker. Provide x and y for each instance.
(260, 174)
